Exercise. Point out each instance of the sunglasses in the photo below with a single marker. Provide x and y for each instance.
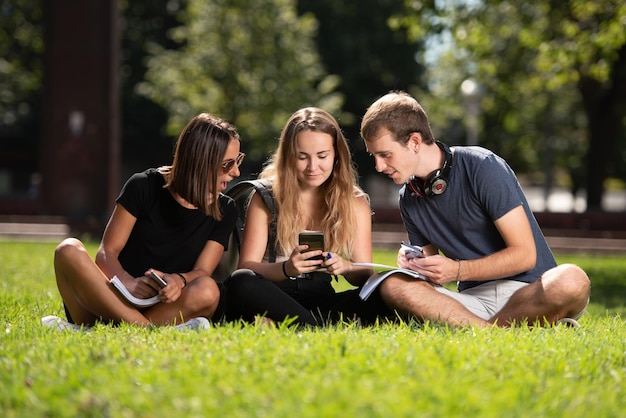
(229, 164)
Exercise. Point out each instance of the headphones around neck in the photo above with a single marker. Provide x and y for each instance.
(437, 182)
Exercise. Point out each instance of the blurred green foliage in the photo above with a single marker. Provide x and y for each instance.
(250, 62)
(553, 78)
(552, 75)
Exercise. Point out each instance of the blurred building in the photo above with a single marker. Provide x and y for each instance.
(78, 164)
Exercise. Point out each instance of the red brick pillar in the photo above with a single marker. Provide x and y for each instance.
(80, 149)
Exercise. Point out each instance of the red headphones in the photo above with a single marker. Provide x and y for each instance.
(437, 182)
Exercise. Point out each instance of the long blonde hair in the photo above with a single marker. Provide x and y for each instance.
(339, 219)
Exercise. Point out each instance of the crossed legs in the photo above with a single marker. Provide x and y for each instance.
(561, 292)
(89, 297)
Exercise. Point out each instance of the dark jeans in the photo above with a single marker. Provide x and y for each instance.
(312, 300)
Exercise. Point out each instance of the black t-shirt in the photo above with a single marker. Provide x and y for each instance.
(167, 236)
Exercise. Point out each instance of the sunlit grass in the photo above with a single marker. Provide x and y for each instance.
(235, 370)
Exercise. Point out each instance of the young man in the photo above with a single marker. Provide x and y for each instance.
(466, 203)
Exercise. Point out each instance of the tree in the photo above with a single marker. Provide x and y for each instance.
(21, 69)
(356, 43)
(550, 71)
(251, 62)
(21, 62)
(144, 141)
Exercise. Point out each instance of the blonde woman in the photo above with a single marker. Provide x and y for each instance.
(314, 184)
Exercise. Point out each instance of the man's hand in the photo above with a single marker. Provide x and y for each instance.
(437, 268)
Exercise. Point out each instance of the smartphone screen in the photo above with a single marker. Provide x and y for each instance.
(315, 241)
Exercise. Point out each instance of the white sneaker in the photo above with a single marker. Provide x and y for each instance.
(195, 324)
(61, 324)
(569, 322)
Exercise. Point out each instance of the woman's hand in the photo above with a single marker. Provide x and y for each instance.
(167, 294)
(142, 287)
(336, 265)
(300, 261)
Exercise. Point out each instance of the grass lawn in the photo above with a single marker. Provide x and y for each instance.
(406, 370)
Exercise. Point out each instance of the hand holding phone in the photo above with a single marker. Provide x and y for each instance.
(412, 251)
(315, 241)
(158, 279)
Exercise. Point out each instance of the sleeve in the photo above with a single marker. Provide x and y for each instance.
(496, 186)
(135, 194)
(223, 229)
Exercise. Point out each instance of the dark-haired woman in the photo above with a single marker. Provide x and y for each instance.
(172, 220)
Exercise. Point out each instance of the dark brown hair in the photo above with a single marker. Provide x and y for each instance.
(199, 151)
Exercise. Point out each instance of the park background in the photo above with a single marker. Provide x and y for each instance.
(91, 92)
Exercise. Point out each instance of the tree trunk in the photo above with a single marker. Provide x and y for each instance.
(605, 111)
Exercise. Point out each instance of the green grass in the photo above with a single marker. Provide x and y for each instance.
(404, 370)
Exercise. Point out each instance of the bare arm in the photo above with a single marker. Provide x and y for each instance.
(361, 247)
(114, 239)
(518, 256)
(255, 237)
(254, 241)
(207, 261)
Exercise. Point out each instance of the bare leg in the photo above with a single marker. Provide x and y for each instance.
(199, 298)
(85, 289)
(420, 299)
(562, 292)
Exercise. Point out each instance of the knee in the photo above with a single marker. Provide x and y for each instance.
(568, 286)
(68, 249)
(205, 292)
(576, 281)
(242, 282)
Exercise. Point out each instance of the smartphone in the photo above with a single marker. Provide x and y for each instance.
(412, 251)
(315, 241)
(158, 279)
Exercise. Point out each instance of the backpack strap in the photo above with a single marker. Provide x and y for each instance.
(240, 193)
(264, 189)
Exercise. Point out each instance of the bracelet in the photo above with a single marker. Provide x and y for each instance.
(184, 280)
(285, 271)
(458, 273)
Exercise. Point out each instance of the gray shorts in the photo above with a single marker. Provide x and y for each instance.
(487, 299)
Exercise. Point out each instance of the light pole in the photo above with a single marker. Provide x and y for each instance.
(472, 94)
